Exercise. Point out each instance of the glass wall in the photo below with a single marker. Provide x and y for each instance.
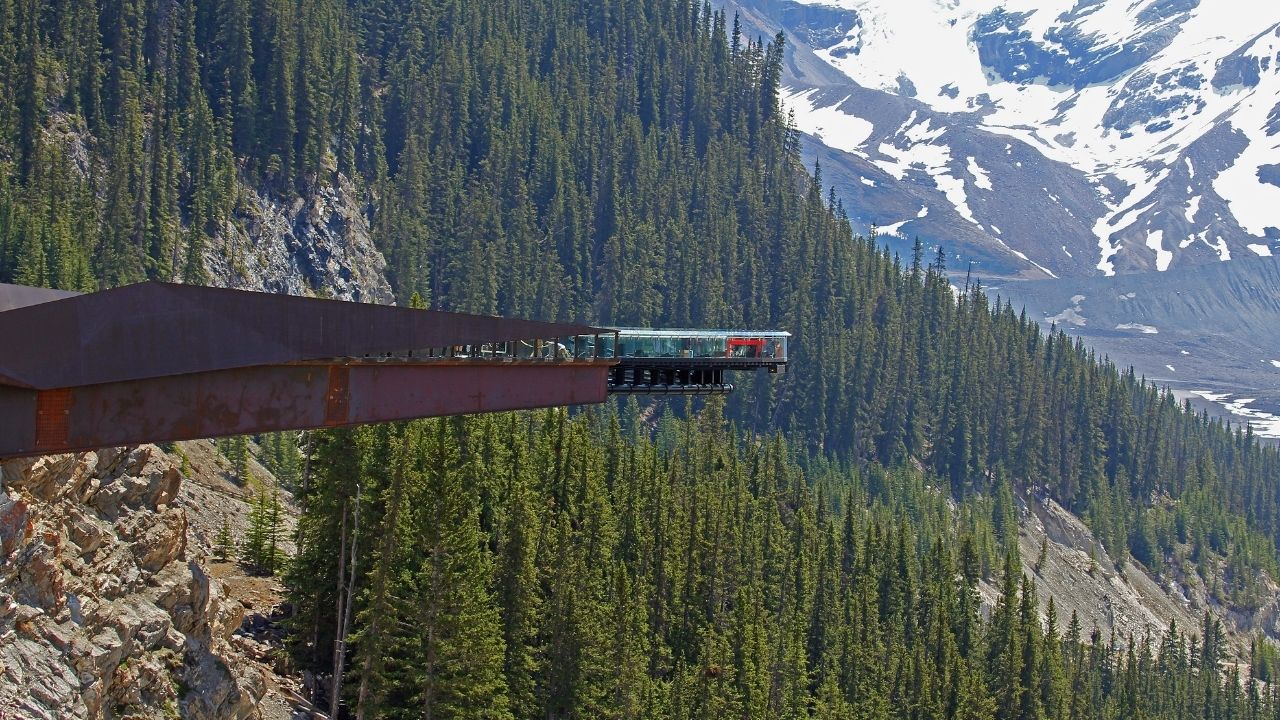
(765, 348)
(706, 344)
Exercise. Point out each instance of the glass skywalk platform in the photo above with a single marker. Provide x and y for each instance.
(689, 362)
(644, 360)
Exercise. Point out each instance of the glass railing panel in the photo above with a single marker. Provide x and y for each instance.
(712, 347)
(694, 344)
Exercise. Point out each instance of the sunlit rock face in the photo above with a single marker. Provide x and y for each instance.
(103, 604)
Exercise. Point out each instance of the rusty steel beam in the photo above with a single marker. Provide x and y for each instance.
(158, 362)
(259, 399)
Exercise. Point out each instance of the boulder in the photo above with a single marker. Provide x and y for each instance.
(40, 579)
(160, 540)
(15, 524)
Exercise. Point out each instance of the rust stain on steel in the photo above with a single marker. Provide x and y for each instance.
(338, 396)
(53, 410)
(294, 397)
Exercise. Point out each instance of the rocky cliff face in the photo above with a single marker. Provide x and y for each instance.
(1071, 566)
(106, 609)
(318, 244)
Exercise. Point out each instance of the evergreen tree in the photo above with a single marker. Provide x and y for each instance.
(261, 549)
(224, 545)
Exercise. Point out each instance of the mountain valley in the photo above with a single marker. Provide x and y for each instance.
(1048, 145)
(948, 508)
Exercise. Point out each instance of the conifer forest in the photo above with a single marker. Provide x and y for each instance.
(809, 547)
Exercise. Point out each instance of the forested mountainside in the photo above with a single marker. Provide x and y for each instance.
(627, 162)
(1112, 137)
(610, 162)
(536, 566)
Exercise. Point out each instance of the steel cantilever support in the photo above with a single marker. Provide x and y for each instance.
(284, 397)
(157, 362)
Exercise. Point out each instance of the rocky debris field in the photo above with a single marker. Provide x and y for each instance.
(110, 604)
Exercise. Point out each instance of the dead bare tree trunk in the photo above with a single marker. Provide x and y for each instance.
(337, 614)
(344, 620)
(306, 468)
(299, 539)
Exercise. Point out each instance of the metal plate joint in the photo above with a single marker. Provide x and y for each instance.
(338, 397)
(53, 418)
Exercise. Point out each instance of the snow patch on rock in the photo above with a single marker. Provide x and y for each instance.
(1144, 329)
(836, 128)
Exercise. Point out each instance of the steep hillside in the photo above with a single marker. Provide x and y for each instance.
(1071, 565)
(687, 574)
(131, 149)
(319, 243)
(818, 547)
(1038, 141)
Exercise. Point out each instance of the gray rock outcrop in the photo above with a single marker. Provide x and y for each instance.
(317, 244)
(105, 611)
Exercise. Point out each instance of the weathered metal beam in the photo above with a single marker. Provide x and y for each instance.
(250, 400)
(152, 330)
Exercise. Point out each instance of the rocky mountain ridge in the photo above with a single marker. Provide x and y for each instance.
(1037, 140)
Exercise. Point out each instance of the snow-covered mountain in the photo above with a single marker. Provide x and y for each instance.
(1038, 138)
